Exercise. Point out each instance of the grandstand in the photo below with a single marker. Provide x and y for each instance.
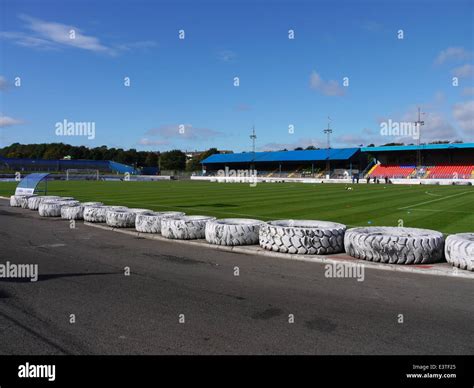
(62, 165)
(436, 161)
(293, 164)
(431, 161)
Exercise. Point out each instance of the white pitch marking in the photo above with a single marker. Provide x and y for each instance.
(435, 200)
(439, 211)
(434, 195)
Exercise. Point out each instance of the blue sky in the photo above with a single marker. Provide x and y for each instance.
(190, 82)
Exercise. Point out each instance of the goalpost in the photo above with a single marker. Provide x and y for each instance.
(82, 174)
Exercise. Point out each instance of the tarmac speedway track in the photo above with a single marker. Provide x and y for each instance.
(81, 272)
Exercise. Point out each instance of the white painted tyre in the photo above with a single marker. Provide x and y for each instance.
(24, 200)
(97, 213)
(34, 202)
(139, 211)
(120, 218)
(233, 231)
(72, 212)
(49, 209)
(459, 250)
(91, 204)
(185, 227)
(151, 222)
(306, 237)
(65, 199)
(69, 202)
(15, 200)
(395, 245)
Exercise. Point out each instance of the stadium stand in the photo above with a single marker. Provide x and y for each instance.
(449, 171)
(293, 164)
(443, 171)
(382, 171)
(61, 165)
(438, 161)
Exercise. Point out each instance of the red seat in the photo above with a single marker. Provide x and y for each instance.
(441, 171)
(392, 171)
(454, 171)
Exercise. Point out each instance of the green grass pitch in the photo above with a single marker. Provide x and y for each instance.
(449, 209)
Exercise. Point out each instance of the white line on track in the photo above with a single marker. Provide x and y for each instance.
(50, 245)
(435, 200)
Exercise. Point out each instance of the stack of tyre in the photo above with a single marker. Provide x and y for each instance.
(122, 217)
(150, 222)
(75, 211)
(34, 201)
(391, 245)
(307, 237)
(97, 213)
(20, 200)
(459, 250)
(51, 207)
(395, 245)
(233, 231)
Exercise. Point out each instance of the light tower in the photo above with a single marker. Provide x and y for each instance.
(328, 132)
(418, 124)
(253, 136)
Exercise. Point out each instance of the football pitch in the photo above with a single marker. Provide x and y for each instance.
(448, 209)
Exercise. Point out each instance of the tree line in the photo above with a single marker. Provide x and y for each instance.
(170, 160)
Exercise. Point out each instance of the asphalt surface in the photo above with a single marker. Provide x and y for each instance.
(82, 273)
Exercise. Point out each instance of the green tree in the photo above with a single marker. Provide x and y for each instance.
(173, 160)
(151, 160)
(194, 164)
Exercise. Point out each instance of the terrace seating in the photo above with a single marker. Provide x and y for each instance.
(270, 174)
(442, 171)
(456, 171)
(392, 171)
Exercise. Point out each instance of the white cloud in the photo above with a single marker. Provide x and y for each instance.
(302, 142)
(243, 107)
(436, 125)
(6, 121)
(328, 88)
(147, 142)
(463, 112)
(468, 91)
(25, 40)
(187, 131)
(354, 140)
(226, 56)
(452, 54)
(3, 83)
(64, 34)
(466, 71)
(371, 26)
(144, 45)
(53, 36)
